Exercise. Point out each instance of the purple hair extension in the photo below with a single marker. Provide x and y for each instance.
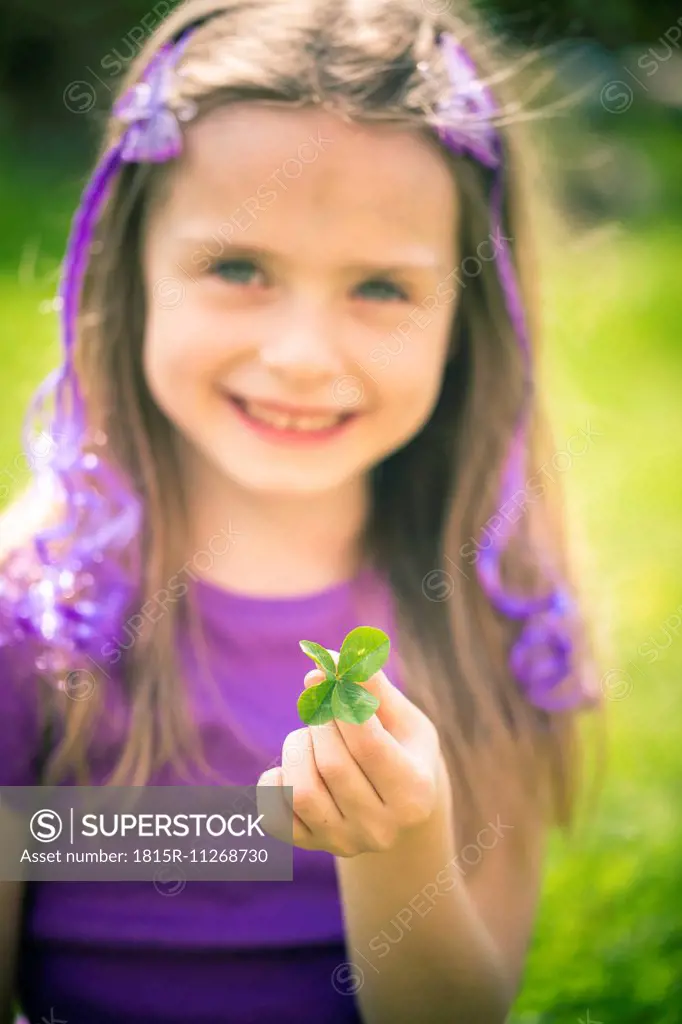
(73, 585)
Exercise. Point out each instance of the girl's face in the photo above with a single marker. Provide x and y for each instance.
(293, 268)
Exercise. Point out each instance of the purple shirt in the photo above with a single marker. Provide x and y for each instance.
(239, 952)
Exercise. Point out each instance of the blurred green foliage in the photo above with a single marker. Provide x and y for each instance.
(609, 938)
(59, 63)
(613, 23)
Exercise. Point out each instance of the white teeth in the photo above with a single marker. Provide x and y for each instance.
(284, 422)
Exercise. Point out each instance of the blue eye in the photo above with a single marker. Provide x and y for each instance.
(237, 271)
(381, 289)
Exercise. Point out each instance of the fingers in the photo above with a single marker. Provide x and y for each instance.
(353, 792)
(311, 800)
(389, 766)
(279, 814)
(396, 712)
(387, 757)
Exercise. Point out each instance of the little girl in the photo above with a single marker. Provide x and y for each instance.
(296, 397)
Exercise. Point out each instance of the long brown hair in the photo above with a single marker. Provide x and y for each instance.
(431, 499)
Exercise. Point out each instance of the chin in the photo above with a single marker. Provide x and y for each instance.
(284, 481)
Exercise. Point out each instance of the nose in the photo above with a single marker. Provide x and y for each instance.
(302, 344)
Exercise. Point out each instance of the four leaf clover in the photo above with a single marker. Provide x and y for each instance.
(362, 653)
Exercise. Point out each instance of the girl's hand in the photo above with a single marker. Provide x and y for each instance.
(360, 788)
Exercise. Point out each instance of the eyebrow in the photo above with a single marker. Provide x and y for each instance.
(418, 259)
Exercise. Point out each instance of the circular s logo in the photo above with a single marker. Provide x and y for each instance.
(617, 97)
(169, 881)
(347, 978)
(46, 826)
(348, 390)
(438, 585)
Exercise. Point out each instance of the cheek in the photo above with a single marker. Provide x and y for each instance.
(163, 354)
(410, 368)
(175, 352)
(177, 349)
(173, 367)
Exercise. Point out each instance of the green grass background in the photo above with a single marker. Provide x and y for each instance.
(609, 936)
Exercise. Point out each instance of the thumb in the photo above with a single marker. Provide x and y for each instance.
(313, 677)
(271, 777)
(395, 711)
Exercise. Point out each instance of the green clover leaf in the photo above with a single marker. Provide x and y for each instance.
(320, 656)
(363, 652)
(353, 703)
(315, 703)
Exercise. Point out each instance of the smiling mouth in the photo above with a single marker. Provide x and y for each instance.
(276, 419)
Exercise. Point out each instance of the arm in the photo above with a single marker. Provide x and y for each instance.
(11, 894)
(439, 935)
(13, 836)
(377, 795)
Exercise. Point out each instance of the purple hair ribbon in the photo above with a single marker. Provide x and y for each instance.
(542, 656)
(154, 135)
(465, 117)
